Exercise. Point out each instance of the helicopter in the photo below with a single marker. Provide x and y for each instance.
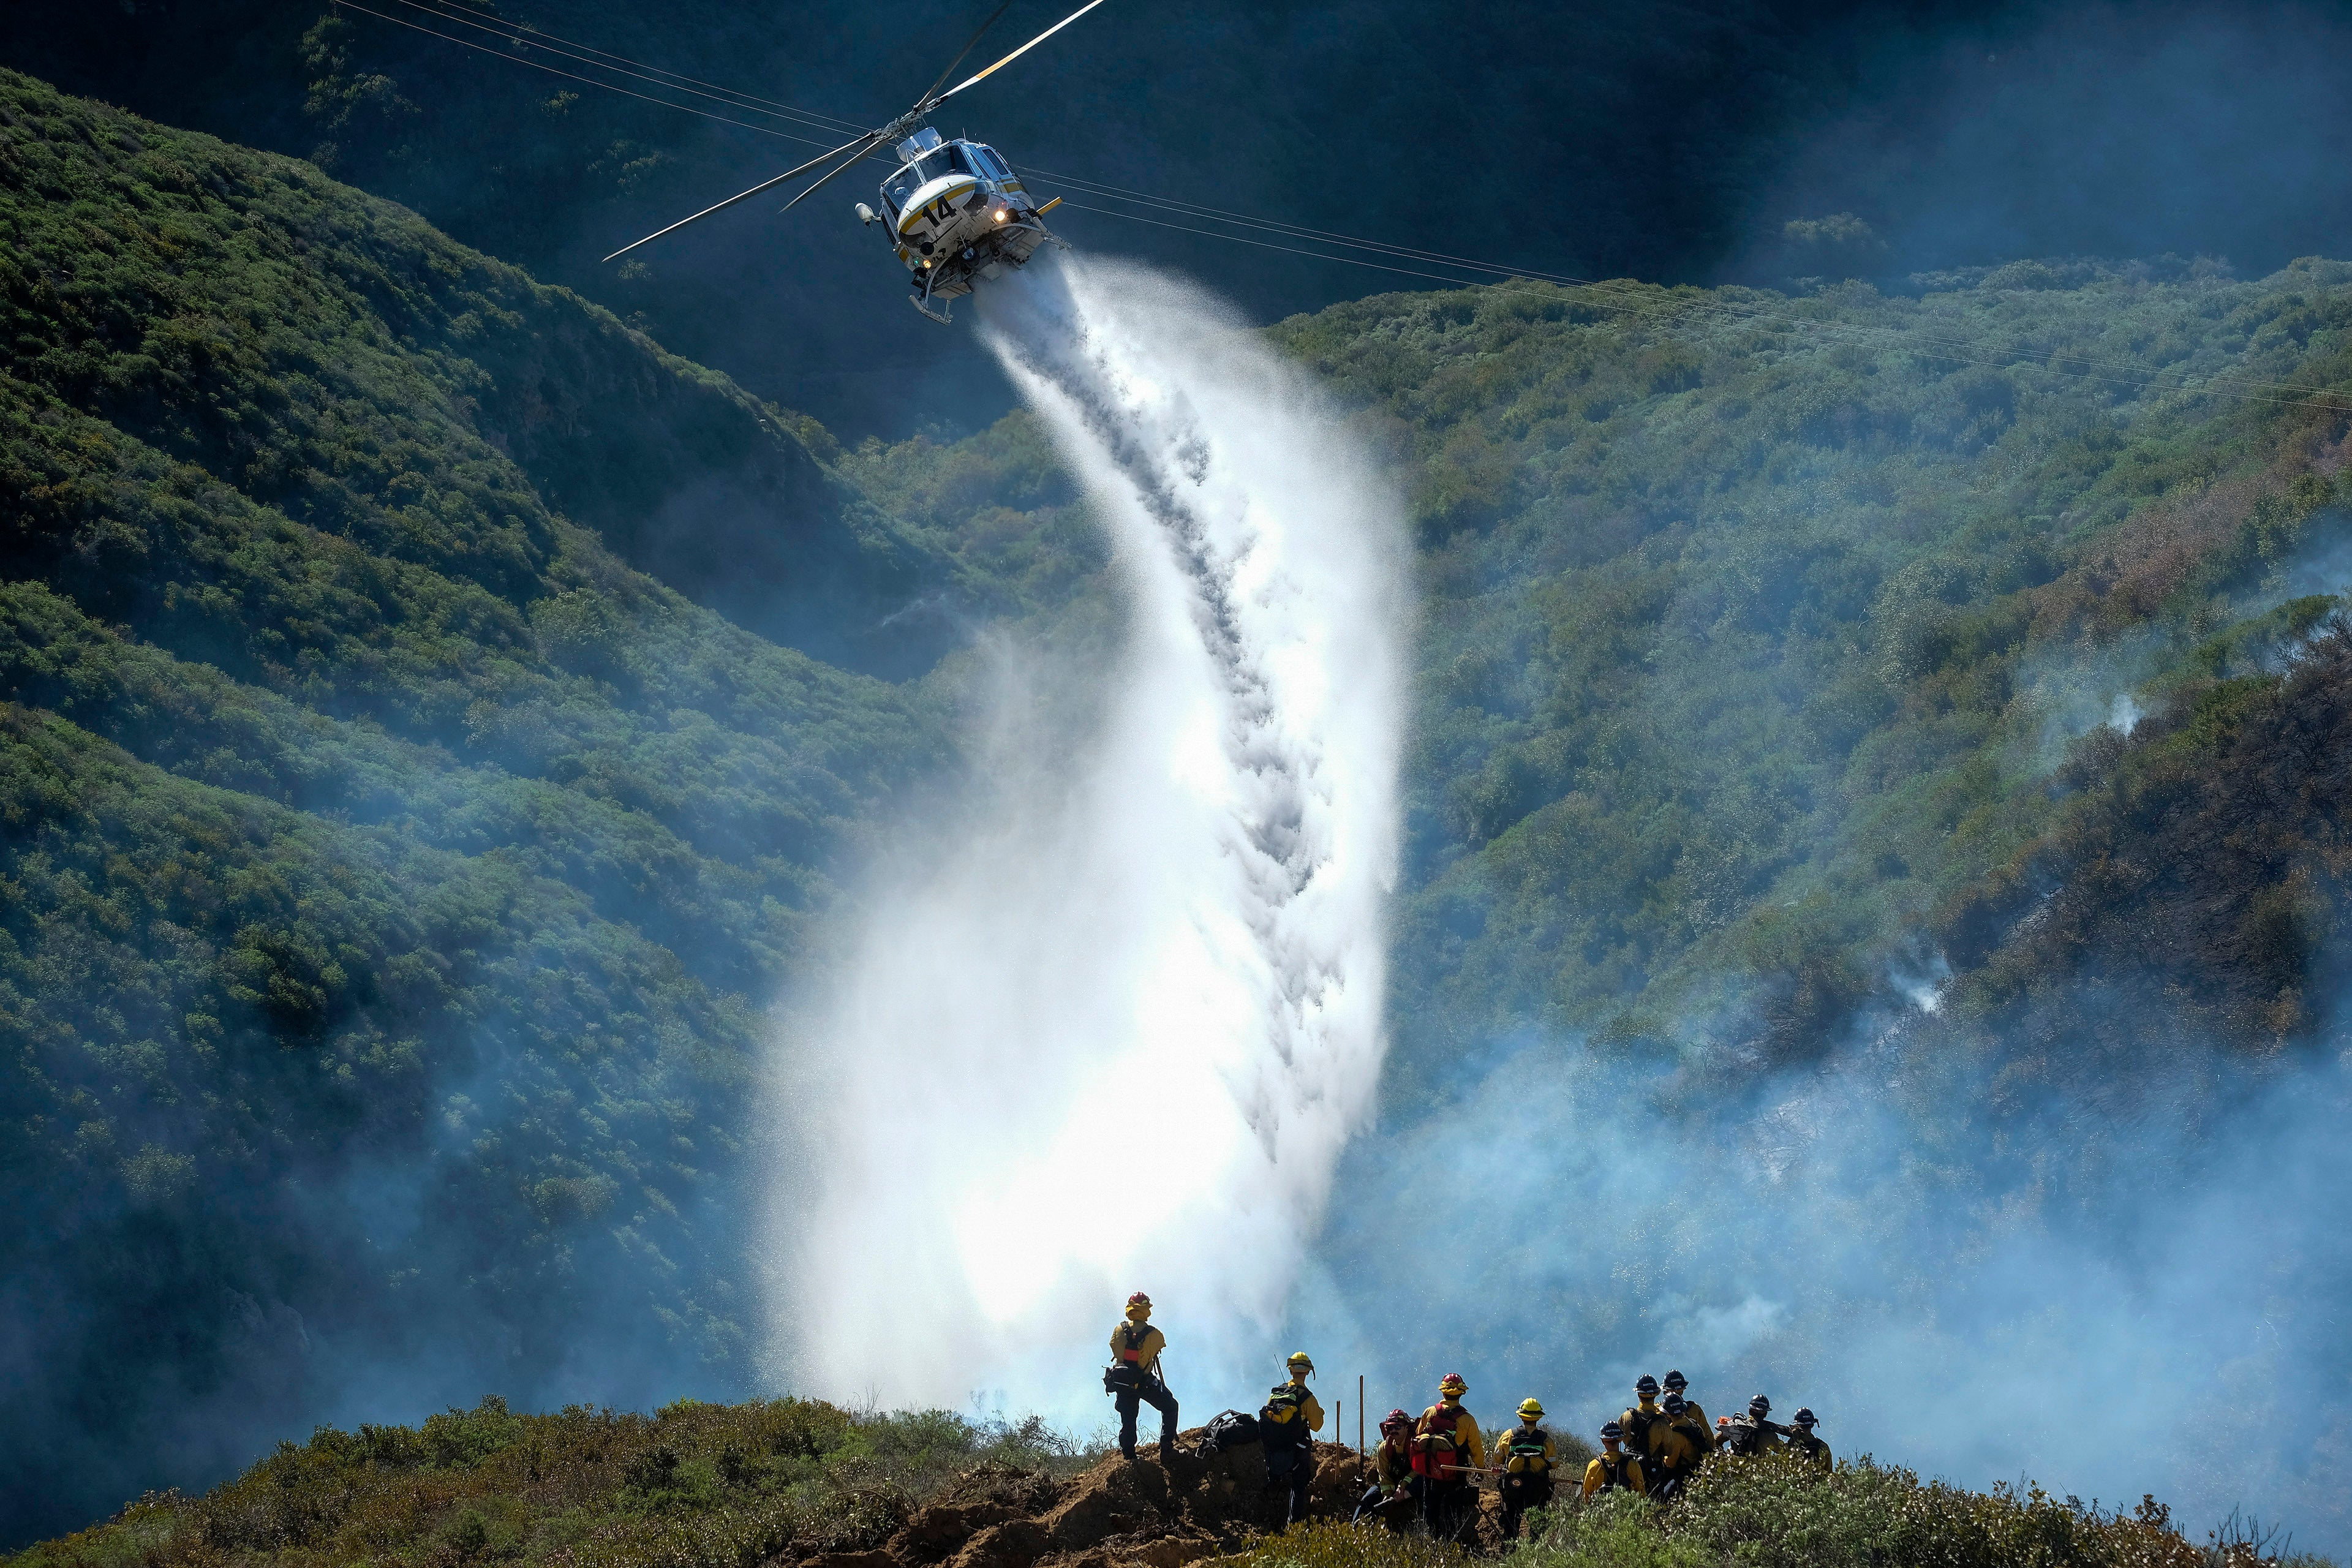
(954, 211)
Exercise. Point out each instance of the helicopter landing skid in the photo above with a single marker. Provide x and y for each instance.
(921, 300)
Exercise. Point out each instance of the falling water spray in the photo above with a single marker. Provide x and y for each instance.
(1115, 1031)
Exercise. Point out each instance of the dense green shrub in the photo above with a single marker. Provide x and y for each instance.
(1777, 1511)
(697, 1486)
(1325, 1543)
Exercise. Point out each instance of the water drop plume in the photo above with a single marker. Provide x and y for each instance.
(1112, 1030)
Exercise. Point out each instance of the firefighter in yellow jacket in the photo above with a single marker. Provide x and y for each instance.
(1392, 1495)
(1754, 1433)
(1447, 1446)
(1645, 1427)
(1612, 1469)
(1675, 1383)
(1134, 1376)
(1525, 1453)
(1801, 1441)
(1286, 1425)
(1679, 1444)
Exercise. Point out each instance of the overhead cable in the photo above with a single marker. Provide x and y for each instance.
(2092, 367)
(530, 37)
(1611, 295)
(1949, 350)
(568, 76)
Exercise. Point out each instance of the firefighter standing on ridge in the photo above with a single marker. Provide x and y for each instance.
(1643, 1426)
(1394, 1492)
(1675, 1383)
(1681, 1445)
(1612, 1469)
(1446, 1448)
(1134, 1377)
(1286, 1425)
(1815, 1451)
(1754, 1432)
(1528, 1454)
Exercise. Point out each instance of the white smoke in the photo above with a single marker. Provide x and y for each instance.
(2110, 1284)
(1116, 1032)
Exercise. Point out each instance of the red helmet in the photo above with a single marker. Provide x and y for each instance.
(1395, 1419)
(1139, 1300)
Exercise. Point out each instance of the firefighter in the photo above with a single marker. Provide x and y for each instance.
(1393, 1496)
(1612, 1469)
(1753, 1432)
(1526, 1454)
(1816, 1452)
(1681, 1446)
(1675, 1383)
(1134, 1377)
(1644, 1425)
(1286, 1425)
(1447, 1447)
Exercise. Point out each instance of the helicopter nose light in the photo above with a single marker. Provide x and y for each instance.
(1002, 215)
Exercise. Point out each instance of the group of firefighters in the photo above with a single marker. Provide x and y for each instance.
(1422, 1473)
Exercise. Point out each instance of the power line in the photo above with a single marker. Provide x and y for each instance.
(532, 37)
(1928, 348)
(1601, 295)
(2092, 367)
(568, 76)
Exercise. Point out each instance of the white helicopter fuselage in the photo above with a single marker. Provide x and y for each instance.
(955, 211)
(957, 214)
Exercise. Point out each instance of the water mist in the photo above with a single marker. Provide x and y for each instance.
(1113, 1031)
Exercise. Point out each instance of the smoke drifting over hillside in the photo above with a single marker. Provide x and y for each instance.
(1979, 1263)
(1115, 1029)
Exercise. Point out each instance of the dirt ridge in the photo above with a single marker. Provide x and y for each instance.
(1121, 1513)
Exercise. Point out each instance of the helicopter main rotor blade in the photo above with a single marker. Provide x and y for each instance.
(984, 27)
(1024, 49)
(869, 144)
(861, 143)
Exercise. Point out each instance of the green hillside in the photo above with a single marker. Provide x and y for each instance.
(437, 721)
(394, 873)
(1770, 648)
(1755, 634)
(707, 1485)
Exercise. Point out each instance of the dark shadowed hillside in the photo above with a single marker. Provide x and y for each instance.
(395, 871)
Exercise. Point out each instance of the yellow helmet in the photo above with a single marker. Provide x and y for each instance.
(1300, 1358)
(1531, 1408)
(1452, 1383)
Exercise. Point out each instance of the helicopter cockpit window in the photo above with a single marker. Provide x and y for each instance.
(913, 177)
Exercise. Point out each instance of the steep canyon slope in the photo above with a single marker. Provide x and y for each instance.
(438, 721)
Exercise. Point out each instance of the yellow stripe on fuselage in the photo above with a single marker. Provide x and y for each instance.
(945, 188)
